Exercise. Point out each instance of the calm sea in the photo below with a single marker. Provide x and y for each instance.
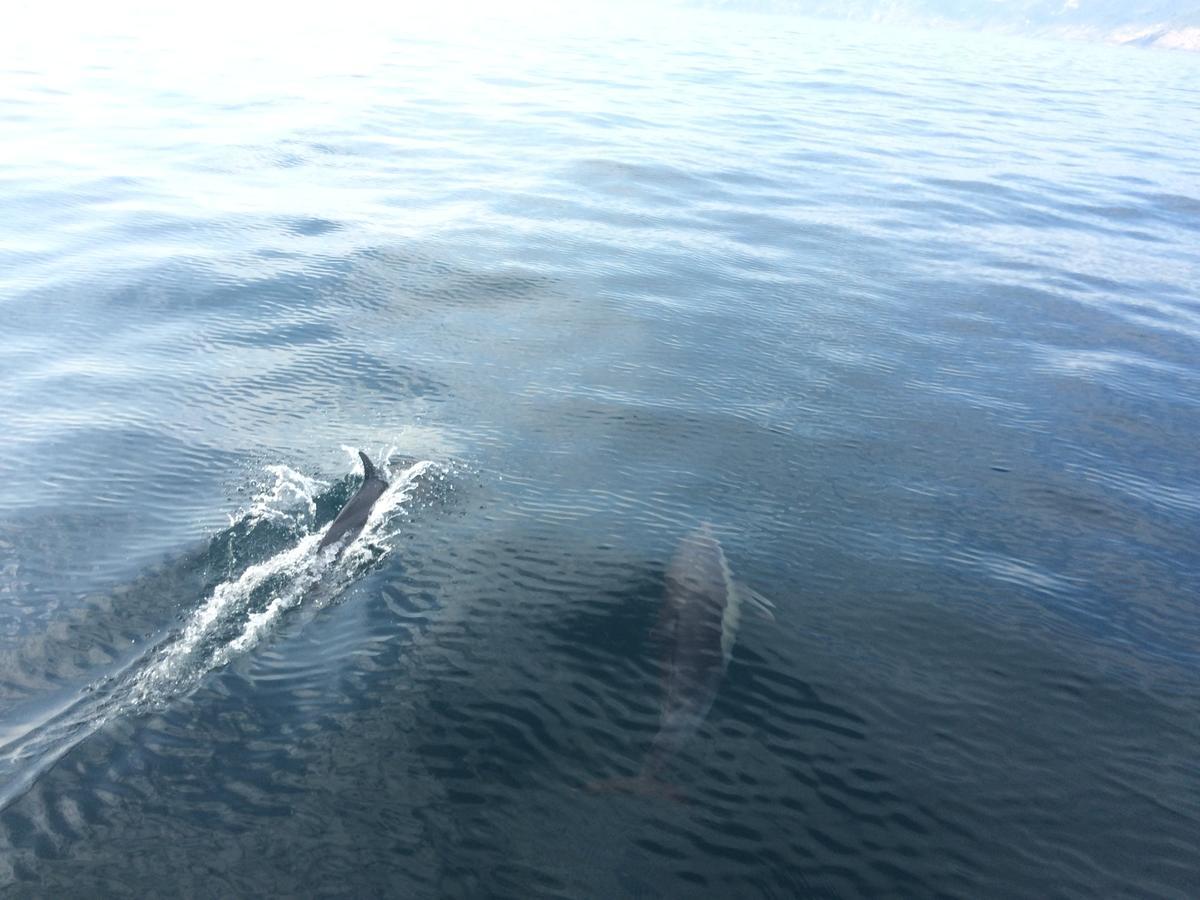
(911, 319)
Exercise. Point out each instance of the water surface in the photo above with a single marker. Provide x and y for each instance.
(910, 318)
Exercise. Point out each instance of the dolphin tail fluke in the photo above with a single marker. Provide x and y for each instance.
(369, 471)
(763, 607)
(638, 786)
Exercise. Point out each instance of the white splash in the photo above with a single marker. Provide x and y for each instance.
(239, 612)
(291, 497)
(234, 617)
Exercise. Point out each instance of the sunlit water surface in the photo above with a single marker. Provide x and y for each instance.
(910, 318)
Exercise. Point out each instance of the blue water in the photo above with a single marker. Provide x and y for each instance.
(910, 318)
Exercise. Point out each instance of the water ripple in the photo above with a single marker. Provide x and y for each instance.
(908, 317)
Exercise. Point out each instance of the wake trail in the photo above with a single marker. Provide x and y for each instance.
(232, 620)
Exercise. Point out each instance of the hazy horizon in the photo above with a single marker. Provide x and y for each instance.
(1162, 23)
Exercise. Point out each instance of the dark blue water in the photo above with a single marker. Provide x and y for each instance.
(911, 319)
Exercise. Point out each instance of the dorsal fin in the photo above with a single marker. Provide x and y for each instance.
(368, 467)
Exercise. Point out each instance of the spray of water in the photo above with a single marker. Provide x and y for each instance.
(233, 618)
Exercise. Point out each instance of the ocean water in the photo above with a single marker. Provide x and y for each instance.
(910, 318)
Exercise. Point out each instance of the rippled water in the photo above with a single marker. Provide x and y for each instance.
(911, 319)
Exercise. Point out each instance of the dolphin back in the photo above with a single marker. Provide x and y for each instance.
(354, 514)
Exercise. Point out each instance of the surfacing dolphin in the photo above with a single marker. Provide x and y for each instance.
(350, 521)
(698, 626)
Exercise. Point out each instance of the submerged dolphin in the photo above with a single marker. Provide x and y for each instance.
(698, 627)
(353, 517)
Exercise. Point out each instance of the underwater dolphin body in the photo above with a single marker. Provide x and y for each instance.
(698, 626)
(353, 517)
(701, 615)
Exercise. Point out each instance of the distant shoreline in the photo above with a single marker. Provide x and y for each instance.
(1159, 35)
